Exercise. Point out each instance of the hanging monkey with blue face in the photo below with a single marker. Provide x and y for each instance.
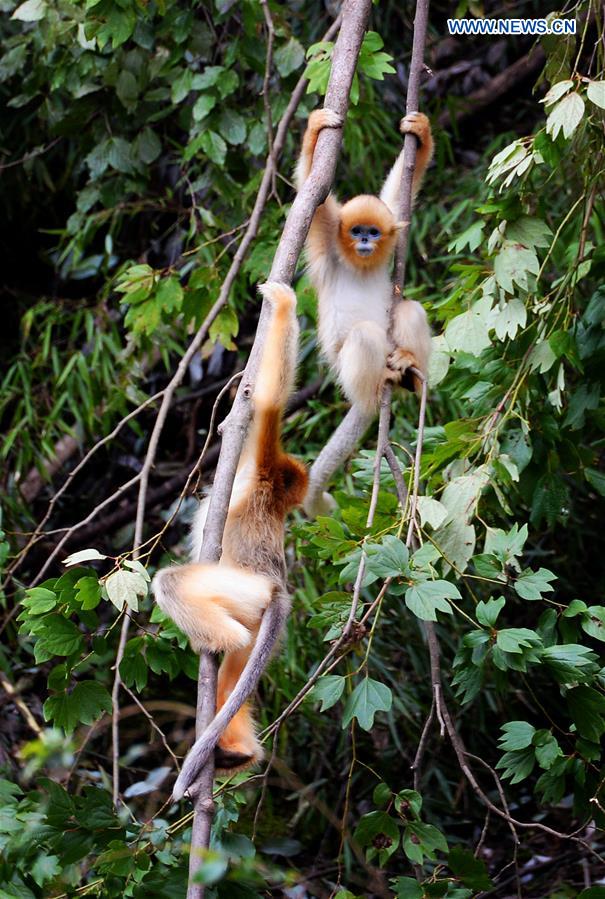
(349, 250)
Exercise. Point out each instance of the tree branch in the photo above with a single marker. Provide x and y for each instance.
(346, 51)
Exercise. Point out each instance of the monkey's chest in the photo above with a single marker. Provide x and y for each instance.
(350, 300)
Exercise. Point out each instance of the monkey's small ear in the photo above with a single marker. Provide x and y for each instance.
(399, 226)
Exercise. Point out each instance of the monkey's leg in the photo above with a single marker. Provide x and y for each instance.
(361, 364)
(238, 747)
(412, 336)
(217, 606)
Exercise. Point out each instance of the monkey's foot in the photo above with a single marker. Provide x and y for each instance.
(236, 757)
(398, 364)
(418, 124)
(324, 118)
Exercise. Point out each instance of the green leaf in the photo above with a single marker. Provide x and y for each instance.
(472, 237)
(470, 870)
(421, 840)
(87, 701)
(512, 266)
(508, 317)
(83, 555)
(88, 592)
(587, 709)
(127, 88)
(119, 155)
(408, 803)
(169, 295)
(547, 749)
(379, 834)
(368, 697)
(45, 868)
(227, 83)
(431, 511)
(469, 330)
(389, 558)
(59, 637)
(566, 116)
(209, 77)
(516, 735)
(592, 893)
(532, 584)
(569, 662)
(328, 690)
(517, 765)
(214, 146)
(289, 57)
(407, 888)
(425, 599)
(202, 106)
(30, 11)
(133, 667)
(596, 479)
(596, 94)
(381, 795)
(515, 639)
(529, 231)
(148, 146)
(126, 587)
(232, 126)
(39, 600)
(487, 612)
(593, 622)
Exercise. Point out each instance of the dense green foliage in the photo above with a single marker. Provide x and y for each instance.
(134, 137)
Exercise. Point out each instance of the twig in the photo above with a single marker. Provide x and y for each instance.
(153, 724)
(115, 711)
(20, 704)
(265, 91)
(37, 534)
(346, 50)
(503, 82)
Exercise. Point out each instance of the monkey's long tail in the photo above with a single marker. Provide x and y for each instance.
(270, 628)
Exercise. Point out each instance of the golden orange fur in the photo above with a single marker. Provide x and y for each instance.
(220, 606)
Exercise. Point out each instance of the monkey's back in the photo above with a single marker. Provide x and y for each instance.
(254, 534)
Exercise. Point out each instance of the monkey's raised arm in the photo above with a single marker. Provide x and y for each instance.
(322, 233)
(415, 123)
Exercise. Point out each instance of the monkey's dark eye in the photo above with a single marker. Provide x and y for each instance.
(374, 232)
(356, 231)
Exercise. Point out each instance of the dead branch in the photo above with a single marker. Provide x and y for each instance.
(495, 88)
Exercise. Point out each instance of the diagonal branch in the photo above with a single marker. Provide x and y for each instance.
(346, 51)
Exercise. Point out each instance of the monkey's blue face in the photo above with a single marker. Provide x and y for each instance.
(365, 238)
